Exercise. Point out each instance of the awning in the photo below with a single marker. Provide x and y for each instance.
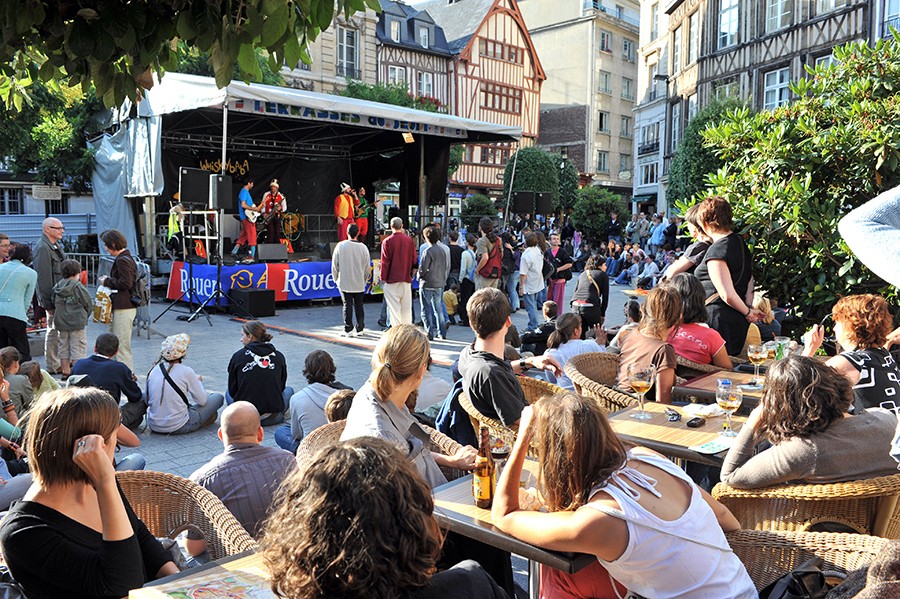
(647, 197)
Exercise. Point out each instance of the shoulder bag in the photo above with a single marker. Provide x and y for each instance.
(172, 384)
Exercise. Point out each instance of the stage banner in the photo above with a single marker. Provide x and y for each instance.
(290, 281)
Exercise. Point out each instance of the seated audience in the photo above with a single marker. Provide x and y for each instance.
(74, 534)
(693, 339)
(646, 345)
(451, 301)
(536, 341)
(488, 379)
(9, 423)
(649, 526)
(170, 384)
(632, 319)
(804, 415)
(862, 324)
(41, 380)
(308, 405)
(566, 342)
(338, 404)
(20, 391)
(390, 547)
(694, 253)
(591, 296)
(114, 377)
(246, 474)
(258, 373)
(769, 327)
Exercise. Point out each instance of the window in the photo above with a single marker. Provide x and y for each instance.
(10, 201)
(625, 162)
(823, 6)
(649, 173)
(676, 50)
(60, 206)
(470, 154)
(501, 98)
(627, 131)
(776, 90)
(602, 161)
(692, 107)
(728, 22)
(425, 84)
(500, 51)
(496, 155)
(654, 20)
(891, 17)
(603, 122)
(778, 14)
(347, 64)
(605, 41)
(825, 61)
(693, 37)
(727, 88)
(628, 50)
(605, 83)
(424, 37)
(676, 125)
(396, 75)
(627, 88)
(395, 30)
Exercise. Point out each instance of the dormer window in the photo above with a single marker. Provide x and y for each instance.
(424, 37)
(395, 30)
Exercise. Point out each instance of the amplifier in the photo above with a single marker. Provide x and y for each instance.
(272, 252)
(257, 302)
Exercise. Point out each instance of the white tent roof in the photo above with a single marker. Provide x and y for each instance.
(177, 92)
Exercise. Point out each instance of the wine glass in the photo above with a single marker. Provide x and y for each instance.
(641, 378)
(729, 399)
(500, 452)
(757, 354)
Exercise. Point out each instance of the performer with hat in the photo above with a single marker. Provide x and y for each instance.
(345, 206)
(274, 205)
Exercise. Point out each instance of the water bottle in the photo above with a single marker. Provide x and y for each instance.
(723, 388)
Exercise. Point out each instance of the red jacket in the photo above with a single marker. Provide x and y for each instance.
(398, 256)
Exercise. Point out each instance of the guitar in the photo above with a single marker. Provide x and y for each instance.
(267, 219)
(361, 209)
(252, 213)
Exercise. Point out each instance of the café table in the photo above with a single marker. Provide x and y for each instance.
(703, 388)
(672, 439)
(455, 510)
(241, 575)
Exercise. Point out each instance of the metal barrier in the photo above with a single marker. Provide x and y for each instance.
(26, 228)
(90, 263)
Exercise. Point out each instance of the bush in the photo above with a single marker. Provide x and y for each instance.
(474, 208)
(536, 170)
(568, 185)
(592, 211)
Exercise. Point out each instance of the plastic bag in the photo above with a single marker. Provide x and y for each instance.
(103, 305)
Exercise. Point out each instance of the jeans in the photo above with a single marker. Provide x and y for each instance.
(285, 439)
(353, 303)
(277, 417)
(624, 278)
(133, 461)
(542, 297)
(512, 283)
(433, 310)
(530, 301)
(198, 416)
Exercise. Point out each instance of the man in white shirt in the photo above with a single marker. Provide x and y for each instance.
(350, 268)
(649, 275)
(531, 267)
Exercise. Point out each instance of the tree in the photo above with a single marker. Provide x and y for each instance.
(793, 172)
(118, 45)
(474, 208)
(396, 94)
(456, 158)
(568, 185)
(194, 62)
(693, 161)
(591, 214)
(536, 170)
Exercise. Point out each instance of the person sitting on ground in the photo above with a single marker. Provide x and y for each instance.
(246, 474)
(630, 274)
(769, 327)
(113, 377)
(632, 319)
(74, 307)
(20, 391)
(170, 384)
(648, 525)
(338, 404)
(646, 345)
(308, 405)
(258, 373)
(694, 253)
(41, 380)
(566, 342)
(693, 339)
(536, 341)
(488, 379)
(391, 546)
(9, 428)
(74, 534)
(862, 324)
(649, 274)
(804, 415)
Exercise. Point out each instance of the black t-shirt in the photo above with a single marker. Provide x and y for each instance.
(615, 227)
(465, 580)
(456, 253)
(695, 253)
(561, 258)
(737, 257)
(491, 385)
(879, 377)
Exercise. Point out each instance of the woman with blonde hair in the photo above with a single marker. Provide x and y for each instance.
(768, 325)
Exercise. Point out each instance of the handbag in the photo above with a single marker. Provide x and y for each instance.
(9, 588)
(806, 581)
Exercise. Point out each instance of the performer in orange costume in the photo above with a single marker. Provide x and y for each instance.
(345, 210)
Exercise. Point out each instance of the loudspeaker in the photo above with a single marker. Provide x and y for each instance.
(272, 252)
(220, 193)
(523, 202)
(257, 302)
(193, 185)
(544, 202)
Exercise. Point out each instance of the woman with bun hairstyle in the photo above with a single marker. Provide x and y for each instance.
(257, 373)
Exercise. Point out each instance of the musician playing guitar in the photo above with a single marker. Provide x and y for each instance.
(274, 205)
(364, 213)
(248, 212)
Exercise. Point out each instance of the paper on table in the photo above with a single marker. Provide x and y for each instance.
(705, 410)
(715, 446)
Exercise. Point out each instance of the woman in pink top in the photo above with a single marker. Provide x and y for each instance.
(693, 339)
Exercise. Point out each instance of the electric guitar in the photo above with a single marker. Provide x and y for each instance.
(252, 213)
(266, 220)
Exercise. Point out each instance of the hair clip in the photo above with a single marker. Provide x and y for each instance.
(387, 365)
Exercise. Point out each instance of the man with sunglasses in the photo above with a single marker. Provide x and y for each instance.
(47, 262)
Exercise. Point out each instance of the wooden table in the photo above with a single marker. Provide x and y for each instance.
(245, 573)
(454, 509)
(672, 439)
(704, 388)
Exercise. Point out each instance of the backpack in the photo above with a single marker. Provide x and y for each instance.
(140, 293)
(494, 265)
(548, 270)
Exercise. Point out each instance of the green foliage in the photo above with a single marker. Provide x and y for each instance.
(117, 45)
(49, 136)
(792, 173)
(474, 208)
(568, 185)
(591, 214)
(693, 161)
(536, 170)
(194, 62)
(396, 94)
(456, 158)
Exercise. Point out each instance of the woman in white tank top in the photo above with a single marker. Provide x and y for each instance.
(654, 530)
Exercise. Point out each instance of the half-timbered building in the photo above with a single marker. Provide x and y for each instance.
(495, 76)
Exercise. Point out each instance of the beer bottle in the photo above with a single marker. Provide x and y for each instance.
(483, 481)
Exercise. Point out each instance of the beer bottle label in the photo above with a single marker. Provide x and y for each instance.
(481, 487)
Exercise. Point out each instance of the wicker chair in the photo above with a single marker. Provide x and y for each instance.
(169, 505)
(770, 555)
(594, 375)
(867, 506)
(535, 389)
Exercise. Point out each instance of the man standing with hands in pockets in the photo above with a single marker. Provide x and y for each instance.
(47, 262)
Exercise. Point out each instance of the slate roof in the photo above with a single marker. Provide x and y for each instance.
(460, 20)
(410, 16)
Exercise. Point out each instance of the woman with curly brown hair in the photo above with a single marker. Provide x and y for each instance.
(357, 523)
(862, 324)
(803, 414)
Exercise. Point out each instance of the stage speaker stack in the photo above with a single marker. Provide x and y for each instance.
(193, 186)
(220, 193)
(257, 302)
(544, 201)
(523, 202)
(272, 252)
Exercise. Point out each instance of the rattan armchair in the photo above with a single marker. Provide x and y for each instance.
(769, 555)
(867, 506)
(594, 376)
(689, 369)
(168, 505)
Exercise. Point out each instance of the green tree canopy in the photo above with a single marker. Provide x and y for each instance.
(474, 208)
(793, 172)
(194, 62)
(536, 170)
(396, 94)
(591, 214)
(568, 185)
(117, 45)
